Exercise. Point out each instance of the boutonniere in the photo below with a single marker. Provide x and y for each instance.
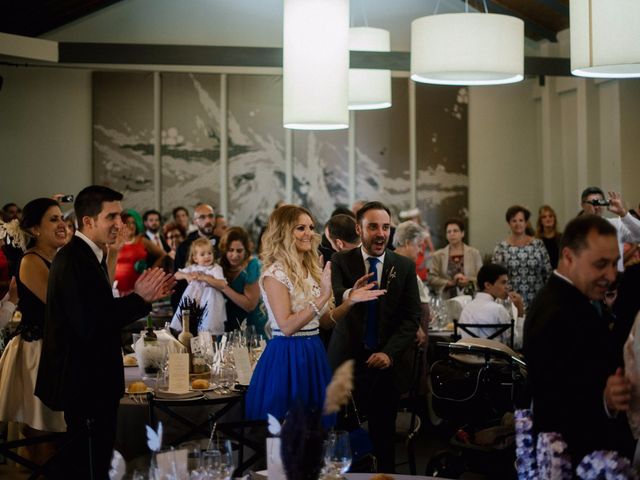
(391, 276)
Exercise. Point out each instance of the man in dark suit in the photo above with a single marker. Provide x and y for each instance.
(204, 217)
(376, 334)
(80, 369)
(153, 229)
(574, 370)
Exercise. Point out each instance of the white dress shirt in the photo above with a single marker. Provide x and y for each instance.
(484, 309)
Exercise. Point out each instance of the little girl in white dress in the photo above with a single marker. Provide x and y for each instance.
(206, 283)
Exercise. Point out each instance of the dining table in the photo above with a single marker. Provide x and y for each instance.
(182, 419)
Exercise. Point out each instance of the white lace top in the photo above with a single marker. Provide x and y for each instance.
(297, 299)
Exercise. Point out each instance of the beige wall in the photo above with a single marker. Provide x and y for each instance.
(527, 144)
(630, 133)
(45, 132)
(503, 165)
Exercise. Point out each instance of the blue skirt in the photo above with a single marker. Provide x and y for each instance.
(289, 369)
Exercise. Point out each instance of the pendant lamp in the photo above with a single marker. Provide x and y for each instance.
(467, 49)
(369, 89)
(316, 64)
(605, 38)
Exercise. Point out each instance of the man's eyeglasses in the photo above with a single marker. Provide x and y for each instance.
(210, 216)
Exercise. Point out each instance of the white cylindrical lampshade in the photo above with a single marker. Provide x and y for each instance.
(316, 64)
(467, 49)
(605, 38)
(368, 88)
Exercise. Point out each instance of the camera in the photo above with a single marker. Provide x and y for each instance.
(66, 199)
(599, 202)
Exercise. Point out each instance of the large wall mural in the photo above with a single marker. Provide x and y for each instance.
(124, 140)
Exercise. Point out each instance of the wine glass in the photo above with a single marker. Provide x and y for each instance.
(337, 455)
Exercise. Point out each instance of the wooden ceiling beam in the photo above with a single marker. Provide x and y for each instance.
(209, 56)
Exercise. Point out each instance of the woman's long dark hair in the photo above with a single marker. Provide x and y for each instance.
(32, 215)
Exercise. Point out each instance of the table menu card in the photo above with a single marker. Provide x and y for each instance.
(179, 372)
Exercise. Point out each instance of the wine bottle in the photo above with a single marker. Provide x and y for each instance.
(185, 335)
(150, 337)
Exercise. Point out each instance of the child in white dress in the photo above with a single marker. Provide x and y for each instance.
(206, 283)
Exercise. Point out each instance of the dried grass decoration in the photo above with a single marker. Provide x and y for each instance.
(302, 436)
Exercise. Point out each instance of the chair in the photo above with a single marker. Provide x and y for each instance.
(471, 330)
(408, 423)
(455, 305)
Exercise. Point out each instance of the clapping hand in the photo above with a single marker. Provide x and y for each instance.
(363, 291)
(154, 284)
(325, 281)
(120, 240)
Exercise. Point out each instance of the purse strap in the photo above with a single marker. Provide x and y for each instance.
(355, 410)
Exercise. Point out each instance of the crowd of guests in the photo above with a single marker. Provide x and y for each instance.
(364, 280)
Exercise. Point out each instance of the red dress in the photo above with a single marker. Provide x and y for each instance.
(4, 272)
(126, 274)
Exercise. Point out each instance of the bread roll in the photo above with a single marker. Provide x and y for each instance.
(200, 384)
(137, 387)
(130, 360)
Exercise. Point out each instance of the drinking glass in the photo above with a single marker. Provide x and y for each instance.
(337, 455)
(194, 455)
(218, 462)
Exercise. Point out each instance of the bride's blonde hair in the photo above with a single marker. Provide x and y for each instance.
(279, 246)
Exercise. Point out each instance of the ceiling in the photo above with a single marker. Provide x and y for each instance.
(78, 20)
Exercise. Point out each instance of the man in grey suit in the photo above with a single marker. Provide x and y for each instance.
(376, 334)
(80, 369)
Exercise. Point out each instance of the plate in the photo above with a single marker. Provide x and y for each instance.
(167, 395)
(148, 390)
(208, 389)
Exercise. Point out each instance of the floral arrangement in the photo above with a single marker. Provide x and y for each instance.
(550, 460)
(196, 313)
(605, 465)
(11, 233)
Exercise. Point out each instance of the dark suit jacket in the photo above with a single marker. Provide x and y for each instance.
(398, 317)
(570, 352)
(182, 255)
(81, 361)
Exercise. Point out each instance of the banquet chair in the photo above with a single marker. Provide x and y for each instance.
(408, 422)
(499, 329)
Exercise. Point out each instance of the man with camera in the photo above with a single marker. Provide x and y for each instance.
(626, 225)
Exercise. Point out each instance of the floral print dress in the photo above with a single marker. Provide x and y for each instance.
(528, 265)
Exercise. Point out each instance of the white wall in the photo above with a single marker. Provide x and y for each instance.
(503, 165)
(45, 132)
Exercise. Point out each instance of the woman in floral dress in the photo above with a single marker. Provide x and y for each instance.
(524, 256)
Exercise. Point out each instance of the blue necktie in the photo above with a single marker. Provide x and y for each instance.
(371, 334)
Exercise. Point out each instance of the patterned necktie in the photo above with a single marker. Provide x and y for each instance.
(371, 334)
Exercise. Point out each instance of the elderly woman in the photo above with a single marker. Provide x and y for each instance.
(408, 242)
(523, 256)
(455, 267)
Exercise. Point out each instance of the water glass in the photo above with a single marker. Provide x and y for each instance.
(218, 461)
(337, 455)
